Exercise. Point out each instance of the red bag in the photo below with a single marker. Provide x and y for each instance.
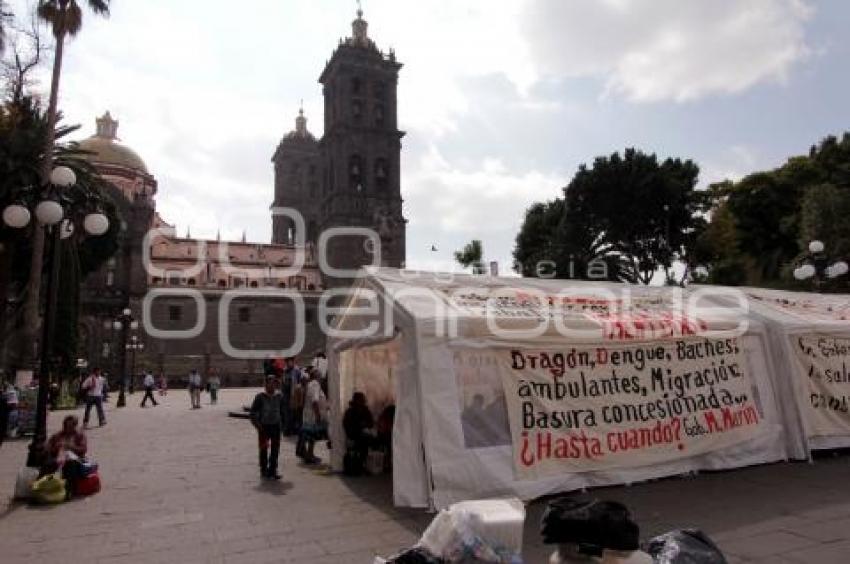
(89, 485)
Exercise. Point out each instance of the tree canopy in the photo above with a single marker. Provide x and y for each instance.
(624, 218)
(472, 255)
(761, 225)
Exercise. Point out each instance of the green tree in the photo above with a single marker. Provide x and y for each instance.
(761, 225)
(65, 18)
(472, 255)
(624, 218)
(22, 126)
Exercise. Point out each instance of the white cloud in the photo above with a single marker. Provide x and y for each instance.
(455, 203)
(205, 93)
(654, 50)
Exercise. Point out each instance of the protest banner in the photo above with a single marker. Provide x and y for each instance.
(825, 362)
(602, 406)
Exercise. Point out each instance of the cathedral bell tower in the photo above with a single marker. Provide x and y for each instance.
(361, 152)
(297, 179)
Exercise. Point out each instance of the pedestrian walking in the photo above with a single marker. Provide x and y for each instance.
(4, 412)
(291, 380)
(214, 384)
(93, 386)
(266, 417)
(163, 384)
(195, 389)
(315, 419)
(10, 393)
(148, 384)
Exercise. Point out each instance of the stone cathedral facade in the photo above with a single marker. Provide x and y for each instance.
(351, 177)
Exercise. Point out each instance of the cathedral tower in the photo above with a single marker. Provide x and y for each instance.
(297, 182)
(361, 151)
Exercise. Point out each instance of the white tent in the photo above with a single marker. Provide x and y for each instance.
(529, 387)
(810, 336)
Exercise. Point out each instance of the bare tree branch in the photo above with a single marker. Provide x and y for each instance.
(26, 50)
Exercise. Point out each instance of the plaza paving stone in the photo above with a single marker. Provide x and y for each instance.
(182, 485)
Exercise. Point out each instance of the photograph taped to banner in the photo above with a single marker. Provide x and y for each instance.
(484, 412)
(825, 370)
(595, 407)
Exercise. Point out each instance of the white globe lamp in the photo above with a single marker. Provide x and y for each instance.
(840, 268)
(16, 216)
(49, 212)
(116, 325)
(816, 247)
(63, 177)
(96, 224)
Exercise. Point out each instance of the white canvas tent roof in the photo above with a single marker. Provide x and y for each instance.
(409, 339)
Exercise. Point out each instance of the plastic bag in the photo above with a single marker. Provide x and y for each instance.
(452, 536)
(590, 523)
(416, 555)
(49, 490)
(684, 546)
(23, 484)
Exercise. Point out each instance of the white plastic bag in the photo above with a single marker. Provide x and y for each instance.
(24, 481)
(488, 531)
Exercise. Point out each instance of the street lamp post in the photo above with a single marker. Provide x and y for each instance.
(134, 345)
(50, 212)
(125, 322)
(817, 268)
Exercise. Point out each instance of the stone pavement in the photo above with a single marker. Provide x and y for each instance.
(182, 486)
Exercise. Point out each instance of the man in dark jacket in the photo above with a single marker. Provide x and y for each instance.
(266, 418)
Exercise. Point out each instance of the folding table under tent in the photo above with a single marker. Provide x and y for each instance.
(529, 387)
(810, 334)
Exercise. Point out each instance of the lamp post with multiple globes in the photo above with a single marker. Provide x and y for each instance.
(55, 206)
(817, 268)
(126, 323)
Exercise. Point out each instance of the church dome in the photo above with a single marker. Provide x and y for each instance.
(106, 150)
(300, 133)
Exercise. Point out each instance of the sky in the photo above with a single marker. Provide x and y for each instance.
(501, 101)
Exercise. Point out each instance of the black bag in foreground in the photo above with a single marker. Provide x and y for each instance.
(590, 523)
(684, 546)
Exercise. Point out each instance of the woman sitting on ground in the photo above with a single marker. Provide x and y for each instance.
(65, 451)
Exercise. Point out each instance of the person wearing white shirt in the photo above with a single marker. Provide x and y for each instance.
(93, 386)
(320, 363)
(148, 384)
(315, 416)
(195, 389)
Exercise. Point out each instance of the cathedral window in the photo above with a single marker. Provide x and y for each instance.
(380, 90)
(357, 110)
(355, 85)
(379, 115)
(381, 173)
(254, 284)
(222, 283)
(355, 170)
(192, 282)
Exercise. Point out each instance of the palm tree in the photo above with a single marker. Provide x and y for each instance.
(65, 18)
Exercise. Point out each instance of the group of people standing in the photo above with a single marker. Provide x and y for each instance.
(293, 403)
